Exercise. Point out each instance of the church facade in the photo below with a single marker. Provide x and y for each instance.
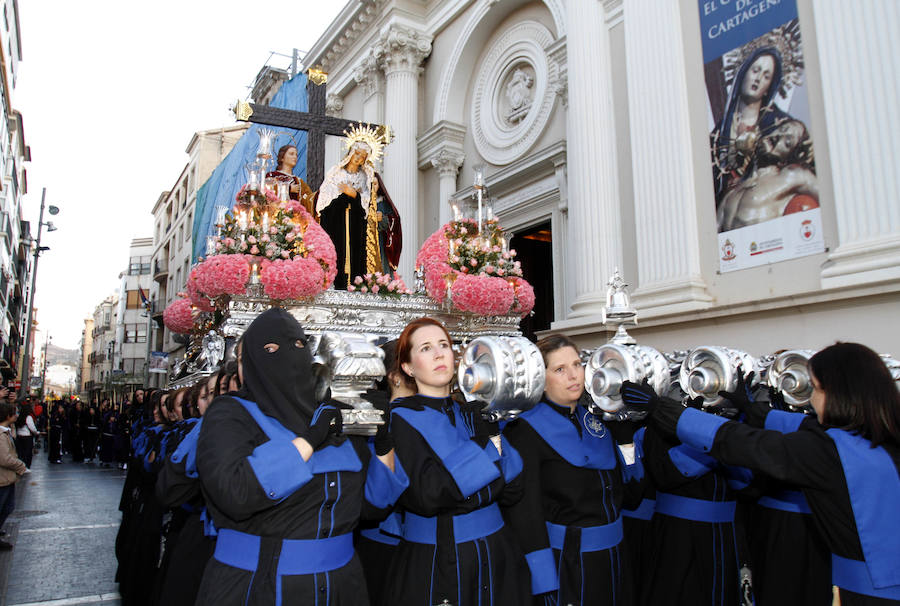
(593, 122)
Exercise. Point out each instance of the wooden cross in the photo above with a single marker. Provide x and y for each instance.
(314, 122)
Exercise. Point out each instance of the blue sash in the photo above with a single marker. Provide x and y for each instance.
(470, 467)
(593, 538)
(787, 500)
(324, 460)
(874, 487)
(187, 451)
(241, 550)
(697, 510)
(644, 511)
(590, 450)
(466, 527)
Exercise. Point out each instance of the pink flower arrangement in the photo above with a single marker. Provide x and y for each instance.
(319, 245)
(482, 295)
(486, 279)
(222, 275)
(178, 316)
(297, 278)
(198, 300)
(524, 297)
(379, 283)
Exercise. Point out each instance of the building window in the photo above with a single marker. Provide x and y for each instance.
(135, 333)
(139, 266)
(134, 300)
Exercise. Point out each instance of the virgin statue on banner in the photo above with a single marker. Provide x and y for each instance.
(355, 209)
(750, 113)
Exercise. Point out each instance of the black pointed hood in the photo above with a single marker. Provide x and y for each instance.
(281, 381)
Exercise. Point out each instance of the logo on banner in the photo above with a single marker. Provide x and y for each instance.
(807, 230)
(728, 251)
(753, 247)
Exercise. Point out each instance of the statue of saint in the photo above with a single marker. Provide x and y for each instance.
(299, 190)
(355, 209)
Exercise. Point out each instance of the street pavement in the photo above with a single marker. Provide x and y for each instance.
(63, 531)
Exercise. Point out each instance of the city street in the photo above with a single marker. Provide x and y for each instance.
(64, 530)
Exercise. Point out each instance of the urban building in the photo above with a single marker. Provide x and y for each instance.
(133, 317)
(16, 248)
(173, 217)
(593, 121)
(83, 380)
(103, 343)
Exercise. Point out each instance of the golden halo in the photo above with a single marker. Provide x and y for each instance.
(367, 135)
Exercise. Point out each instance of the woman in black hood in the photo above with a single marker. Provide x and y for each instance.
(284, 488)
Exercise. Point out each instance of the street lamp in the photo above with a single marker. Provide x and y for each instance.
(29, 329)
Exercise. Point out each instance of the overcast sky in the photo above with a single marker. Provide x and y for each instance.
(111, 93)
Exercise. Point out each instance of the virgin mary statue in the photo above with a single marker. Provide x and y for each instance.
(354, 208)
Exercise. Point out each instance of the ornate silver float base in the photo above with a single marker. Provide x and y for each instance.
(351, 319)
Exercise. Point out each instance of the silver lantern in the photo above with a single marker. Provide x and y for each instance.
(612, 364)
(506, 372)
(709, 369)
(348, 364)
(789, 374)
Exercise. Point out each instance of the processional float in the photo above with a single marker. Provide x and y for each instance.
(269, 251)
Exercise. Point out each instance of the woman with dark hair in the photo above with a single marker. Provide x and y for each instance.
(284, 488)
(25, 431)
(455, 547)
(846, 465)
(575, 477)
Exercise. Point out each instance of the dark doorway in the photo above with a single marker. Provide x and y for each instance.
(534, 249)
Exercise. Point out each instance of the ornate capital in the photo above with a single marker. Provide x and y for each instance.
(334, 105)
(367, 75)
(402, 49)
(559, 71)
(447, 162)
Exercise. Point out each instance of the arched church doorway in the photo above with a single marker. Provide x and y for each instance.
(534, 249)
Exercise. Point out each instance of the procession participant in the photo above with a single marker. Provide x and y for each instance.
(284, 488)
(455, 547)
(55, 434)
(138, 539)
(90, 422)
(847, 464)
(376, 543)
(575, 478)
(76, 433)
(347, 207)
(699, 551)
(784, 542)
(11, 467)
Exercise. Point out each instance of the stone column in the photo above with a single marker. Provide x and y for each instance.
(399, 53)
(665, 190)
(447, 163)
(594, 221)
(859, 54)
(369, 78)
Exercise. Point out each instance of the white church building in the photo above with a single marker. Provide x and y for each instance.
(592, 119)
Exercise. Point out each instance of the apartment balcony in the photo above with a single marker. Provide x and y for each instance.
(160, 271)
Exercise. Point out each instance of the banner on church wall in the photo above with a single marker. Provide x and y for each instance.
(763, 165)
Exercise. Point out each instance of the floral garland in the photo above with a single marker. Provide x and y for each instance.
(380, 284)
(481, 274)
(293, 255)
(178, 316)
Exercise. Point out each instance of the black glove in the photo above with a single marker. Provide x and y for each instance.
(742, 397)
(776, 399)
(327, 420)
(695, 403)
(664, 412)
(384, 442)
(623, 431)
(379, 399)
(484, 428)
(545, 599)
